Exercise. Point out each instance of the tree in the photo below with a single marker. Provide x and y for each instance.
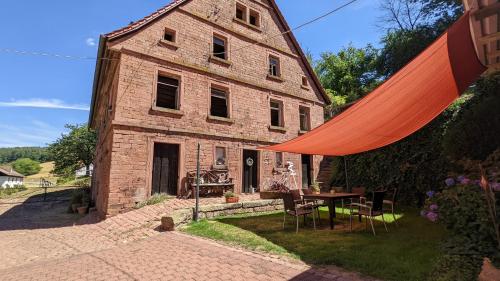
(348, 75)
(26, 166)
(73, 150)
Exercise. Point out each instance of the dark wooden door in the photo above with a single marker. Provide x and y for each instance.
(165, 168)
(306, 171)
(250, 172)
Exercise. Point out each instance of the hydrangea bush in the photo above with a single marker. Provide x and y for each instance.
(461, 207)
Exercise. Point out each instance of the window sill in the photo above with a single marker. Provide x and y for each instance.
(277, 129)
(217, 60)
(220, 119)
(168, 44)
(175, 112)
(246, 24)
(305, 87)
(301, 132)
(275, 78)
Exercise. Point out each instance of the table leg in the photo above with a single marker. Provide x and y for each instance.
(331, 210)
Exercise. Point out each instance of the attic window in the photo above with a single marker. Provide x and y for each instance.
(220, 47)
(169, 35)
(241, 12)
(167, 93)
(305, 83)
(254, 18)
(304, 115)
(274, 66)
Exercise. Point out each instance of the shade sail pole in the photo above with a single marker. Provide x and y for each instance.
(197, 207)
(346, 178)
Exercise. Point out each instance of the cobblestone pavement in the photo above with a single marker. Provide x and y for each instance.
(41, 241)
(174, 256)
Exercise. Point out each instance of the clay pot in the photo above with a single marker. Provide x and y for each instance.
(232, 199)
(74, 207)
(82, 210)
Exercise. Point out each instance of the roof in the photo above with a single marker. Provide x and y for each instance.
(137, 25)
(10, 173)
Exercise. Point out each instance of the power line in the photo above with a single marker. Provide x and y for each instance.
(295, 28)
(46, 54)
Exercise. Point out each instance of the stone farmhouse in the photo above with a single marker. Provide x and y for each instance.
(219, 73)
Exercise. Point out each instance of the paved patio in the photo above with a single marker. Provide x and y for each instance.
(40, 241)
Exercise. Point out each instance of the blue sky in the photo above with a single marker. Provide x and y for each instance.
(39, 95)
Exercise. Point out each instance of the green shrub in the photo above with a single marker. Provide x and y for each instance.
(230, 194)
(82, 182)
(462, 210)
(153, 200)
(26, 166)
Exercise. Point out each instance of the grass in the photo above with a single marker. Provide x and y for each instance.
(153, 200)
(45, 172)
(407, 252)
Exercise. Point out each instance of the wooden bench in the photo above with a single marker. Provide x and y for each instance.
(212, 183)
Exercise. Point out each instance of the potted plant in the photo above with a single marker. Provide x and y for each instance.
(316, 189)
(231, 197)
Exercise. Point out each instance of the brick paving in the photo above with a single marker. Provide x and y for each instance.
(40, 241)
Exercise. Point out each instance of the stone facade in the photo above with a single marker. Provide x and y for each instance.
(130, 124)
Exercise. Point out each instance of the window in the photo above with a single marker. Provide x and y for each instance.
(274, 66)
(167, 93)
(220, 156)
(241, 12)
(220, 47)
(254, 18)
(169, 35)
(279, 160)
(304, 118)
(219, 103)
(305, 83)
(276, 114)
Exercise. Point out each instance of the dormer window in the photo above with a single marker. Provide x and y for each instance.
(254, 18)
(241, 12)
(169, 35)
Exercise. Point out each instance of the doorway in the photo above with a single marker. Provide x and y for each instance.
(250, 170)
(306, 171)
(165, 169)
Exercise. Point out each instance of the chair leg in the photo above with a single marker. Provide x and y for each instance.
(314, 220)
(319, 217)
(297, 227)
(350, 220)
(343, 212)
(373, 228)
(394, 215)
(383, 219)
(366, 223)
(284, 218)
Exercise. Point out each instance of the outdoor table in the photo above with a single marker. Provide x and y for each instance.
(331, 198)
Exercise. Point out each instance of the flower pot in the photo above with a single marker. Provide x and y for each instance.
(232, 199)
(74, 207)
(316, 192)
(82, 210)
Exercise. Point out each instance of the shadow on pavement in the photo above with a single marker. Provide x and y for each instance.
(38, 211)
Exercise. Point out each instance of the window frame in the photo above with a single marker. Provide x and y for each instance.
(282, 165)
(278, 66)
(172, 32)
(244, 9)
(226, 154)
(281, 121)
(226, 46)
(170, 74)
(307, 116)
(257, 20)
(214, 87)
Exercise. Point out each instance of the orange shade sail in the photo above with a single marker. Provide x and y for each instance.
(405, 103)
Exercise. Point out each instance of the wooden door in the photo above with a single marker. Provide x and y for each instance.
(250, 172)
(165, 168)
(306, 171)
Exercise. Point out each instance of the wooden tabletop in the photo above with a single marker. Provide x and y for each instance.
(336, 195)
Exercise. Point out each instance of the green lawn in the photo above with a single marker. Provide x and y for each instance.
(407, 252)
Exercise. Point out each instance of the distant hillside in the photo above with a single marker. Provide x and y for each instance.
(11, 154)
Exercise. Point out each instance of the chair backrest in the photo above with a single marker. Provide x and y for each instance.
(378, 200)
(296, 194)
(288, 201)
(394, 195)
(359, 190)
